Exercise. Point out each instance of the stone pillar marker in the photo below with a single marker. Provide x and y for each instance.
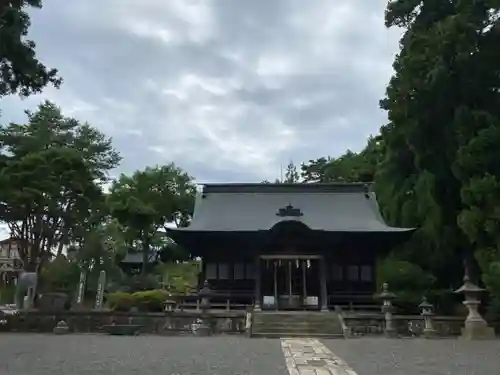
(387, 308)
(476, 327)
(101, 284)
(81, 288)
(427, 313)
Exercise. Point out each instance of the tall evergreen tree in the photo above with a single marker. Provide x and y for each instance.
(444, 90)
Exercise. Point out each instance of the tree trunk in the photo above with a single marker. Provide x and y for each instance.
(471, 268)
(145, 256)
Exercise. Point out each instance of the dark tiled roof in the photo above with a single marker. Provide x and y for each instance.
(254, 207)
(135, 257)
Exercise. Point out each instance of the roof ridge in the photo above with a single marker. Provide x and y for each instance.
(359, 187)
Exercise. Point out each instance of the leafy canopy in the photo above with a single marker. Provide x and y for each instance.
(52, 167)
(20, 70)
(146, 202)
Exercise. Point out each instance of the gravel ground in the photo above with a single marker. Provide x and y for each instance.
(37, 354)
(32, 354)
(380, 356)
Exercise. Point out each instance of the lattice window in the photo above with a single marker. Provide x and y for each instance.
(337, 273)
(223, 271)
(249, 271)
(239, 271)
(366, 273)
(211, 271)
(353, 273)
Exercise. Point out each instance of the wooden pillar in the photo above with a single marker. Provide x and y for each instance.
(275, 282)
(304, 280)
(322, 281)
(257, 303)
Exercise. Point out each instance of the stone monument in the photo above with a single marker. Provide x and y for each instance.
(25, 290)
(80, 293)
(101, 284)
(475, 327)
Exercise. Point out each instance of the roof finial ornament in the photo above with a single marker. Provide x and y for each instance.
(289, 211)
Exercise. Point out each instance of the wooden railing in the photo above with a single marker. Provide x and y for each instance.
(353, 302)
(234, 300)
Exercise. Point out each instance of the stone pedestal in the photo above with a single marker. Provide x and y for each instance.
(478, 332)
(475, 327)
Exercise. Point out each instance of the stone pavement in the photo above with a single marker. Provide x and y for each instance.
(305, 356)
(44, 354)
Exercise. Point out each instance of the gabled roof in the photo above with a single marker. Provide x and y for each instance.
(256, 207)
(135, 257)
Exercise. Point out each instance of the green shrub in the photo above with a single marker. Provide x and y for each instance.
(120, 301)
(404, 275)
(151, 300)
(408, 281)
(491, 278)
(7, 294)
(139, 283)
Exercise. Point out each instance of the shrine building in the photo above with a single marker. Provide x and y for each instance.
(289, 246)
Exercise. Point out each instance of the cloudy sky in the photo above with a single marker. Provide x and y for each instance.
(227, 89)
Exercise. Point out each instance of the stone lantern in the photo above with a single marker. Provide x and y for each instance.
(201, 327)
(170, 305)
(475, 326)
(204, 295)
(387, 308)
(427, 313)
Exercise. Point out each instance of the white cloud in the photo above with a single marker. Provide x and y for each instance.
(228, 90)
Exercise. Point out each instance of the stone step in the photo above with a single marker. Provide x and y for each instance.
(296, 334)
(297, 328)
(325, 324)
(286, 317)
(296, 324)
(262, 319)
(299, 325)
(303, 319)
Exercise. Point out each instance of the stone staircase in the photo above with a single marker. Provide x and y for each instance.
(296, 324)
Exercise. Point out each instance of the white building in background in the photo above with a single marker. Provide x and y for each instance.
(10, 261)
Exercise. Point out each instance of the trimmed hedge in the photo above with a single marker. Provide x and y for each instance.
(147, 301)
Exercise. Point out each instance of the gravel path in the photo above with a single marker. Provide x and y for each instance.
(37, 354)
(28, 354)
(380, 356)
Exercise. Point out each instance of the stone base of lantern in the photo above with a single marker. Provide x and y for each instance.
(429, 333)
(391, 333)
(478, 331)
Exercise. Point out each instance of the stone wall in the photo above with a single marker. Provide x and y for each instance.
(176, 322)
(406, 325)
